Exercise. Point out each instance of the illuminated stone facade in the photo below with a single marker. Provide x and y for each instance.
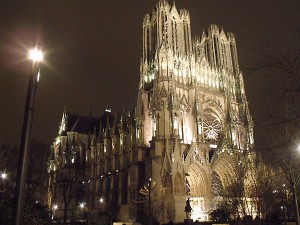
(190, 128)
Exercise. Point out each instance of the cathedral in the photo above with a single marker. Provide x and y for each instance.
(189, 130)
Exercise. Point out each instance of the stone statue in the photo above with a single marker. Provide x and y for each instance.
(188, 209)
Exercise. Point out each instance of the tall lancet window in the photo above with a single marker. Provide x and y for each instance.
(154, 126)
(223, 54)
(200, 127)
(175, 119)
(148, 41)
(138, 132)
(216, 51)
(174, 34)
(121, 141)
(186, 36)
(164, 26)
(105, 146)
(154, 34)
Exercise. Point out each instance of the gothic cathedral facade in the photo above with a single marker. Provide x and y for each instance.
(188, 132)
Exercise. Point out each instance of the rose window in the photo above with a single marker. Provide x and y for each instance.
(211, 129)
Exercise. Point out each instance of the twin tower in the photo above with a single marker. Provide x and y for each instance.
(188, 132)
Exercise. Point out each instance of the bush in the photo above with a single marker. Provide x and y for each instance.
(220, 216)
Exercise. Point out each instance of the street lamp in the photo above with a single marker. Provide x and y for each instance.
(295, 180)
(149, 183)
(101, 200)
(3, 175)
(36, 55)
(55, 207)
(81, 205)
(2, 185)
(85, 216)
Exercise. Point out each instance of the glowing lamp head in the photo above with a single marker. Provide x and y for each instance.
(55, 207)
(36, 55)
(4, 175)
(81, 205)
(101, 200)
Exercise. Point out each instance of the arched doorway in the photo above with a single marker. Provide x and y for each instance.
(197, 189)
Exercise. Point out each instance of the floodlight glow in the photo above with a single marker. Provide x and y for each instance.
(81, 205)
(101, 200)
(55, 207)
(36, 55)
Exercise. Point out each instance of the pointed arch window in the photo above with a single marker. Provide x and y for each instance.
(174, 34)
(164, 26)
(224, 55)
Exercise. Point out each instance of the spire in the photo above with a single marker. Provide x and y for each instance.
(172, 99)
(197, 106)
(100, 135)
(94, 136)
(228, 116)
(73, 143)
(59, 148)
(64, 123)
(107, 129)
(89, 126)
(52, 152)
(67, 150)
(246, 113)
(122, 124)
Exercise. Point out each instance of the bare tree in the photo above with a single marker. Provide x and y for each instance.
(233, 197)
(281, 122)
(8, 159)
(264, 179)
(161, 202)
(289, 164)
(66, 178)
(249, 191)
(37, 170)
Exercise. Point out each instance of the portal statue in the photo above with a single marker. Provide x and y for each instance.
(188, 209)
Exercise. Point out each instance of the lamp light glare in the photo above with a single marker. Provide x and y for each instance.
(3, 175)
(36, 55)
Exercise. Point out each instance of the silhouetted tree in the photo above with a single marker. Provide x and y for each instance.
(66, 179)
(281, 121)
(162, 202)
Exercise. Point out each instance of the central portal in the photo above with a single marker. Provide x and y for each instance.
(197, 190)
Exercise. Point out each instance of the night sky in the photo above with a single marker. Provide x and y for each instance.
(93, 51)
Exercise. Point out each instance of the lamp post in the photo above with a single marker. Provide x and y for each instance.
(149, 183)
(296, 183)
(101, 200)
(82, 207)
(36, 56)
(284, 204)
(54, 208)
(2, 185)
(3, 175)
